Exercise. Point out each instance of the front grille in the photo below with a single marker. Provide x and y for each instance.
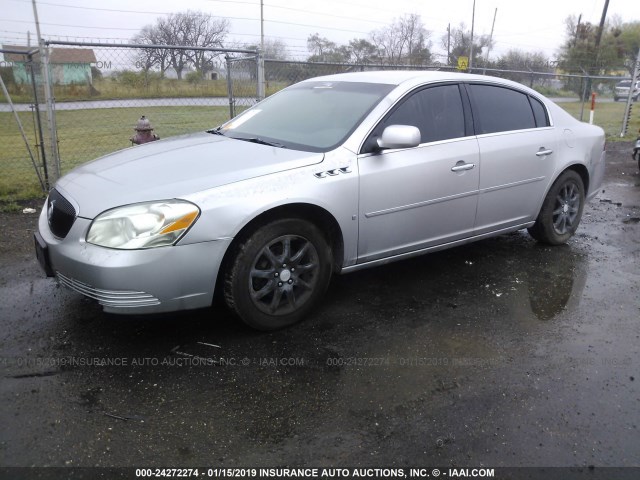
(60, 214)
(110, 298)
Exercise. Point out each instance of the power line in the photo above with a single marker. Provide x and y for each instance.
(146, 12)
(308, 12)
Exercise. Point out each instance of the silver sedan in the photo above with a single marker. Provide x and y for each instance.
(331, 175)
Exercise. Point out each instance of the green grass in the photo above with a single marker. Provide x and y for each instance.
(87, 134)
(608, 116)
(84, 135)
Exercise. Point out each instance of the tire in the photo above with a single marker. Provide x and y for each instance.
(561, 210)
(278, 274)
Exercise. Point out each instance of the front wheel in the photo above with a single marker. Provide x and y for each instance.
(278, 274)
(561, 210)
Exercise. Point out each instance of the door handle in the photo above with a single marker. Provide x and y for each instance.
(543, 152)
(462, 167)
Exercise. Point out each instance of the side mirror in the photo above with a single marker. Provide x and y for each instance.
(399, 136)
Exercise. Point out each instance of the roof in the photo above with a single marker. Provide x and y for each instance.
(417, 77)
(58, 55)
(396, 77)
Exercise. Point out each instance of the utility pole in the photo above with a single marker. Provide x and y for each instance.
(449, 45)
(601, 27)
(473, 21)
(261, 80)
(495, 14)
(575, 38)
(596, 57)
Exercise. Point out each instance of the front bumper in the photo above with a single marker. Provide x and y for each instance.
(155, 280)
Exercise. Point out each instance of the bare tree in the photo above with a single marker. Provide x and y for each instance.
(151, 57)
(188, 29)
(405, 40)
(205, 31)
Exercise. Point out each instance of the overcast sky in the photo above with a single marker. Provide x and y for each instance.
(527, 25)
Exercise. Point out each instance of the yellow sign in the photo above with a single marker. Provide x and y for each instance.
(463, 63)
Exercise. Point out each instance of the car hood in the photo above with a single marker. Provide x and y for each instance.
(174, 168)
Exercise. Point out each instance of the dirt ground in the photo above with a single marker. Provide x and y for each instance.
(500, 353)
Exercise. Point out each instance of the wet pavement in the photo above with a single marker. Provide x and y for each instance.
(500, 353)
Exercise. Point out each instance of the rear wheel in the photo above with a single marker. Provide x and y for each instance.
(561, 210)
(278, 274)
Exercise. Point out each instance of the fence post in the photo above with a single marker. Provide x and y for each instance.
(36, 103)
(587, 84)
(51, 114)
(230, 87)
(627, 110)
(261, 77)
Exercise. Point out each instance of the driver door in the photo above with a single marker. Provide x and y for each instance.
(419, 197)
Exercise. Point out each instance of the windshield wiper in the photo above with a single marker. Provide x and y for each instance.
(216, 131)
(260, 141)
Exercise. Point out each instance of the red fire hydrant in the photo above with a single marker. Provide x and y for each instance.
(144, 132)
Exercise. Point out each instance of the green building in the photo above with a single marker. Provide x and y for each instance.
(69, 66)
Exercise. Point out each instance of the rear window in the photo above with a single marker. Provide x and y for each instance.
(501, 109)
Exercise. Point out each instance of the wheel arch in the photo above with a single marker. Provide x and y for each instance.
(581, 170)
(315, 214)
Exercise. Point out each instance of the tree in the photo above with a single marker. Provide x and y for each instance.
(459, 43)
(188, 29)
(363, 51)
(520, 61)
(627, 43)
(406, 40)
(618, 47)
(617, 51)
(151, 57)
(204, 31)
(274, 49)
(324, 50)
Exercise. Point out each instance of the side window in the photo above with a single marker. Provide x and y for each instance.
(436, 111)
(500, 109)
(539, 112)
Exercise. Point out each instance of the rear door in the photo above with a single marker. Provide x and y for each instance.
(517, 155)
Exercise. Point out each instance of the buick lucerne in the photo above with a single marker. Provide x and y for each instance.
(330, 175)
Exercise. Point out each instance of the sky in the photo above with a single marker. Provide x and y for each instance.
(534, 26)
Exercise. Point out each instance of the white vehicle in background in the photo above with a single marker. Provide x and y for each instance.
(621, 91)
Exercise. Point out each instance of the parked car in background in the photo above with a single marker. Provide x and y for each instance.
(621, 91)
(331, 175)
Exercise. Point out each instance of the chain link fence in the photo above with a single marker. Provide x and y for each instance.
(24, 126)
(96, 93)
(101, 91)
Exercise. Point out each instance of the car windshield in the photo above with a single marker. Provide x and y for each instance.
(311, 116)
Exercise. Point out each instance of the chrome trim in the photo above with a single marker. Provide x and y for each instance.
(544, 153)
(509, 185)
(333, 172)
(109, 298)
(420, 204)
(461, 168)
(513, 132)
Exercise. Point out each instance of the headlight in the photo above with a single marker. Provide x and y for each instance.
(143, 225)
